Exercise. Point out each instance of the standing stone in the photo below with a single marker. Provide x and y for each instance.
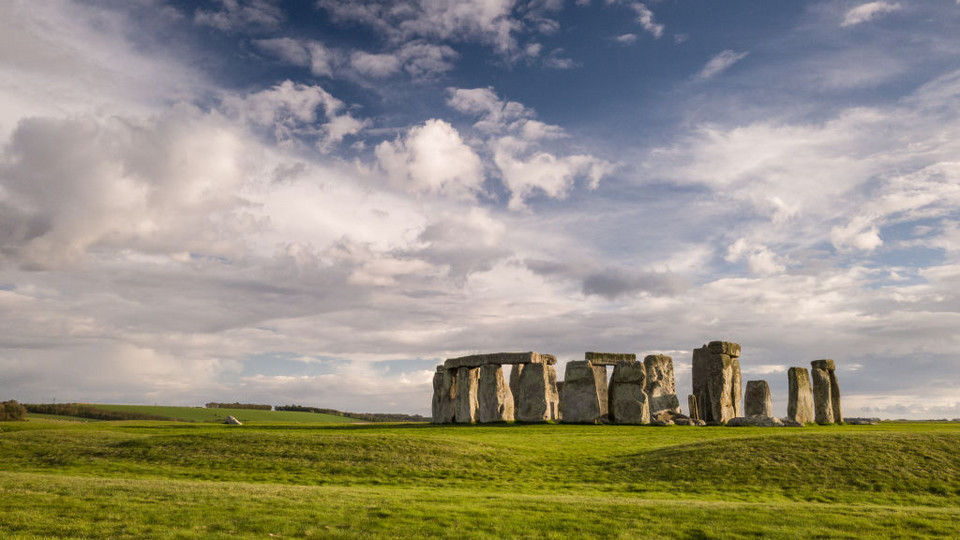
(833, 389)
(692, 404)
(495, 401)
(628, 401)
(444, 396)
(603, 395)
(537, 390)
(660, 385)
(800, 398)
(716, 381)
(757, 401)
(515, 385)
(823, 406)
(467, 403)
(580, 401)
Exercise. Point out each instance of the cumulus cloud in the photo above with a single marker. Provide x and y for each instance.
(867, 12)
(720, 63)
(290, 109)
(432, 158)
(515, 142)
(646, 19)
(625, 39)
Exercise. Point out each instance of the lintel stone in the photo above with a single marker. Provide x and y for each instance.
(724, 347)
(608, 359)
(477, 360)
(826, 363)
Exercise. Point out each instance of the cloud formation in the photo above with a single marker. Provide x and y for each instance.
(868, 12)
(720, 63)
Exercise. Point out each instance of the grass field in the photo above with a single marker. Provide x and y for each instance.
(200, 414)
(262, 480)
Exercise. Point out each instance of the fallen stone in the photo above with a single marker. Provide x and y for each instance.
(608, 359)
(660, 385)
(800, 397)
(757, 401)
(580, 401)
(467, 404)
(755, 421)
(477, 360)
(822, 404)
(538, 400)
(444, 396)
(495, 401)
(790, 423)
(862, 421)
(231, 420)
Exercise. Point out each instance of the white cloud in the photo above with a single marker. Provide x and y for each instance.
(526, 172)
(235, 15)
(432, 158)
(625, 39)
(375, 65)
(646, 19)
(721, 62)
(760, 259)
(868, 12)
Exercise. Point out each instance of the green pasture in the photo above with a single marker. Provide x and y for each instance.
(283, 480)
(202, 414)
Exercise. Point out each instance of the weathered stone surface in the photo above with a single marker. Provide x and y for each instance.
(716, 383)
(755, 421)
(477, 360)
(862, 421)
(580, 401)
(757, 401)
(724, 347)
(537, 390)
(660, 386)
(609, 359)
(495, 401)
(692, 404)
(835, 396)
(628, 401)
(628, 404)
(823, 406)
(826, 363)
(629, 373)
(467, 403)
(800, 397)
(790, 423)
(232, 421)
(515, 385)
(444, 396)
(603, 394)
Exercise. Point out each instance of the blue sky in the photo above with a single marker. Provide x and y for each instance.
(316, 202)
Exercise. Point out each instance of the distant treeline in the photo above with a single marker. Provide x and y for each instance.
(215, 405)
(82, 410)
(369, 417)
(11, 410)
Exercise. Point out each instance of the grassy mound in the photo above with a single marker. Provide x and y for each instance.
(315, 480)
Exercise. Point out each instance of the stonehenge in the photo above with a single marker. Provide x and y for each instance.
(716, 381)
(800, 397)
(756, 400)
(474, 389)
(826, 392)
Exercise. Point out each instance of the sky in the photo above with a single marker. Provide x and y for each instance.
(317, 202)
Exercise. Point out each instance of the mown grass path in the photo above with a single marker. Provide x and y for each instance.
(155, 479)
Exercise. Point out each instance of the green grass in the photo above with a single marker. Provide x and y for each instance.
(156, 479)
(201, 414)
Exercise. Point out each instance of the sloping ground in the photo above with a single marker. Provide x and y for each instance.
(165, 479)
(200, 414)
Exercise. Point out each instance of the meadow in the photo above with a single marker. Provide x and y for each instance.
(137, 479)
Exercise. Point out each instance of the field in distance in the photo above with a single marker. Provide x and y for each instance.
(202, 414)
(174, 479)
